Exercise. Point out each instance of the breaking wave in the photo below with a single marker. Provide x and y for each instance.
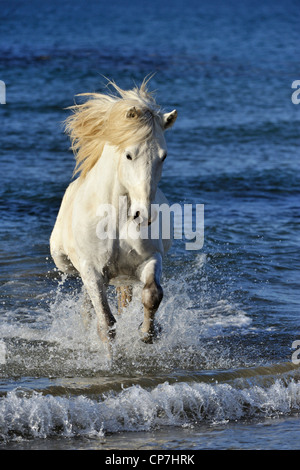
(32, 415)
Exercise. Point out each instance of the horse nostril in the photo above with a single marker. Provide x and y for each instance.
(137, 214)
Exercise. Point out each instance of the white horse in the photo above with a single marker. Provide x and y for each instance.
(127, 132)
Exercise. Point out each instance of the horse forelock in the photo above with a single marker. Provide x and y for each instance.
(106, 119)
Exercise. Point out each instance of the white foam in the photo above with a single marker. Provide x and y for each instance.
(32, 415)
(222, 319)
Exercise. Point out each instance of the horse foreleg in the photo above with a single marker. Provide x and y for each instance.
(124, 296)
(86, 309)
(96, 290)
(151, 296)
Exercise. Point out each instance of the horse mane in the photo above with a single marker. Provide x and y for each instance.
(124, 119)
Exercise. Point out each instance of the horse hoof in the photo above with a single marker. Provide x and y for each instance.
(151, 336)
(112, 333)
(108, 335)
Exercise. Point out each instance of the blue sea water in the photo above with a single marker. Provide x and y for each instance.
(221, 376)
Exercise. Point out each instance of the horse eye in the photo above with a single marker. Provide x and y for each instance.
(128, 156)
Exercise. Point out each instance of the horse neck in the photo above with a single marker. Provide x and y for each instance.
(103, 179)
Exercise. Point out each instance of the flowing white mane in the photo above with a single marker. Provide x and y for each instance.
(121, 120)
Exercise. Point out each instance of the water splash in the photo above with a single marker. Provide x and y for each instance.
(54, 341)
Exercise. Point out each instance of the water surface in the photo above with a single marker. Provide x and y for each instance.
(221, 375)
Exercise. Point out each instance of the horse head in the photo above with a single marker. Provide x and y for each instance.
(140, 163)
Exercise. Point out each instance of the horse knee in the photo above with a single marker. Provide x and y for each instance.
(152, 296)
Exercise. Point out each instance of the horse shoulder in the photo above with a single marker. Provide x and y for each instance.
(61, 236)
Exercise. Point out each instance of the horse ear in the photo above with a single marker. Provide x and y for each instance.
(169, 119)
(133, 113)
